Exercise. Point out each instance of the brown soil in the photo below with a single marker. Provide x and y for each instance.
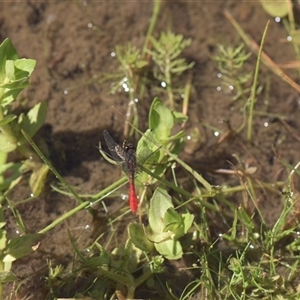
(72, 44)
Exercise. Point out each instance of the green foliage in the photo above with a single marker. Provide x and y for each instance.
(168, 64)
(275, 8)
(13, 249)
(131, 64)
(14, 77)
(165, 228)
(233, 78)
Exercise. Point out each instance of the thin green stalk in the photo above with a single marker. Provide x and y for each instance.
(65, 216)
(181, 191)
(265, 59)
(86, 204)
(153, 21)
(169, 83)
(46, 161)
(187, 92)
(253, 89)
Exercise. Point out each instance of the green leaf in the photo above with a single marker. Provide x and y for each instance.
(38, 179)
(24, 67)
(7, 52)
(159, 204)
(147, 148)
(7, 276)
(139, 238)
(8, 173)
(170, 249)
(3, 239)
(176, 223)
(161, 120)
(14, 73)
(21, 246)
(7, 119)
(9, 70)
(5, 144)
(275, 8)
(188, 220)
(172, 220)
(34, 120)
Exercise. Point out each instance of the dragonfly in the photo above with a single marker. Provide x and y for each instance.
(125, 156)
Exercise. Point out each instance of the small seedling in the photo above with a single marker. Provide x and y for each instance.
(14, 77)
(231, 67)
(168, 66)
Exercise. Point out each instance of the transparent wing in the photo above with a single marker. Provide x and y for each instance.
(115, 150)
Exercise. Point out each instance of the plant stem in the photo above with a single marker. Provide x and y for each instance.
(253, 89)
(153, 20)
(169, 83)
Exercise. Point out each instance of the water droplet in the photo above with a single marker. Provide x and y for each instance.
(188, 137)
(289, 38)
(277, 19)
(113, 54)
(87, 227)
(66, 92)
(216, 133)
(163, 84)
(266, 124)
(90, 25)
(136, 100)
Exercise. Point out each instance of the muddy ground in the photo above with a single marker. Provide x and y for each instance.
(72, 42)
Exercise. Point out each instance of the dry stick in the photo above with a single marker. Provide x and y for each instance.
(264, 57)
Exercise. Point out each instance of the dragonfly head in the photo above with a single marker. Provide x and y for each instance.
(129, 147)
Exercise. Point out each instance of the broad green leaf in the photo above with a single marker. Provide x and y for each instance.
(12, 90)
(3, 239)
(24, 67)
(275, 8)
(9, 71)
(21, 246)
(188, 220)
(176, 223)
(172, 220)
(159, 204)
(161, 120)
(180, 117)
(7, 119)
(139, 238)
(38, 179)
(7, 52)
(34, 119)
(170, 249)
(147, 148)
(5, 144)
(8, 173)
(7, 276)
